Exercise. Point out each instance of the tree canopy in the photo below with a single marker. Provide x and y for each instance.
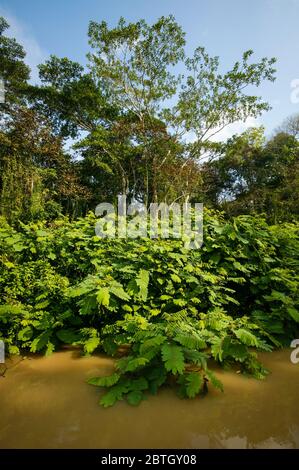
(142, 118)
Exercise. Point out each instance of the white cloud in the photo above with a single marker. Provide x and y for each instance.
(34, 52)
(231, 129)
(236, 128)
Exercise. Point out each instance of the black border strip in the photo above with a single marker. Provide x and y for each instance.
(142, 458)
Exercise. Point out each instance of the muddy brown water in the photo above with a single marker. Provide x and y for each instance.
(46, 403)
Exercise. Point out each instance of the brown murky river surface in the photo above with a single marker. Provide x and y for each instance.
(46, 403)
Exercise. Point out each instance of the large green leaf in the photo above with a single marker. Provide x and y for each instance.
(191, 341)
(217, 349)
(106, 381)
(131, 363)
(91, 344)
(293, 312)
(136, 363)
(25, 334)
(196, 357)
(214, 381)
(142, 281)
(103, 296)
(40, 341)
(152, 346)
(114, 394)
(173, 358)
(194, 384)
(117, 289)
(88, 304)
(246, 337)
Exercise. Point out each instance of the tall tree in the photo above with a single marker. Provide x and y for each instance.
(13, 70)
(256, 176)
(37, 178)
(143, 128)
(138, 111)
(135, 66)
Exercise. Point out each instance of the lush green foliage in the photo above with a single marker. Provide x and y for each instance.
(253, 175)
(168, 309)
(134, 142)
(174, 308)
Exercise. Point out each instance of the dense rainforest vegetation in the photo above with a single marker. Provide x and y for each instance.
(141, 118)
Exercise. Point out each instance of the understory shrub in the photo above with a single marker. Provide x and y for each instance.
(171, 309)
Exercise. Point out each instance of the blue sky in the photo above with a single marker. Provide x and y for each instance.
(225, 28)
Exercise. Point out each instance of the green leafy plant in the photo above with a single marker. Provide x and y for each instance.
(167, 307)
(165, 352)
